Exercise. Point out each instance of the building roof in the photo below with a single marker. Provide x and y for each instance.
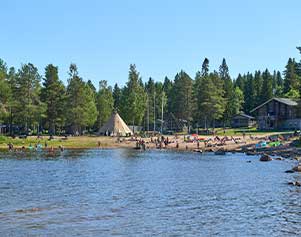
(286, 101)
(242, 114)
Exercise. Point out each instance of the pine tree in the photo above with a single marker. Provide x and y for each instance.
(236, 101)
(12, 82)
(92, 87)
(210, 99)
(81, 107)
(267, 86)
(54, 96)
(249, 93)
(168, 88)
(117, 97)
(133, 98)
(291, 80)
(150, 112)
(205, 68)
(299, 64)
(277, 84)
(182, 106)
(29, 108)
(5, 92)
(105, 103)
(228, 90)
(258, 81)
(240, 82)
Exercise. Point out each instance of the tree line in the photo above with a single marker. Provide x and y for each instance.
(33, 102)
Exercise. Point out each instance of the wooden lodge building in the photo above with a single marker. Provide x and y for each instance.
(242, 120)
(278, 113)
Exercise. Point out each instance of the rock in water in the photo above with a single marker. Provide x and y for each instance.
(265, 157)
(250, 153)
(220, 152)
(297, 183)
(297, 168)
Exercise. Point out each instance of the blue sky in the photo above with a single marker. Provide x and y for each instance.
(160, 37)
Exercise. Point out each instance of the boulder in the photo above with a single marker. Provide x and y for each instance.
(296, 183)
(297, 168)
(265, 157)
(250, 153)
(220, 152)
(279, 158)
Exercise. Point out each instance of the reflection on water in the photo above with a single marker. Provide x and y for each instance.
(128, 192)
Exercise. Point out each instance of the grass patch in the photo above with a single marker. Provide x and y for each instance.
(70, 142)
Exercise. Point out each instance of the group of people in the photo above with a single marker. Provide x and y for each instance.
(140, 144)
(37, 147)
(160, 142)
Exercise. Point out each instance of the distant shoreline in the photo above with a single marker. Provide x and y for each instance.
(242, 144)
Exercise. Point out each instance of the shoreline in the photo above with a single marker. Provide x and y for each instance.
(242, 144)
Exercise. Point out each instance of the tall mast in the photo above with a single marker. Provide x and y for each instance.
(162, 112)
(147, 113)
(154, 111)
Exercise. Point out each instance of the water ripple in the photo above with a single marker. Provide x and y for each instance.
(152, 193)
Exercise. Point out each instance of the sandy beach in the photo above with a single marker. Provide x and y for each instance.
(238, 143)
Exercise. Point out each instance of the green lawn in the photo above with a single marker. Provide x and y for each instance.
(70, 142)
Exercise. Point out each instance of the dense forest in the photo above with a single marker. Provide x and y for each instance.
(31, 102)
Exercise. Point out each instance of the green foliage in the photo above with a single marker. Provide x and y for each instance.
(28, 106)
(236, 101)
(5, 92)
(105, 102)
(228, 91)
(81, 107)
(133, 98)
(54, 96)
(210, 104)
(293, 94)
(291, 78)
(205, 68)
(211, 96)
(267, 86)
(117, 96)
(182, 98)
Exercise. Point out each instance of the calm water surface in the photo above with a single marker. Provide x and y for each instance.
(152, 193)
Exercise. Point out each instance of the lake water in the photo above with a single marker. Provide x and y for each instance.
(152, 193)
